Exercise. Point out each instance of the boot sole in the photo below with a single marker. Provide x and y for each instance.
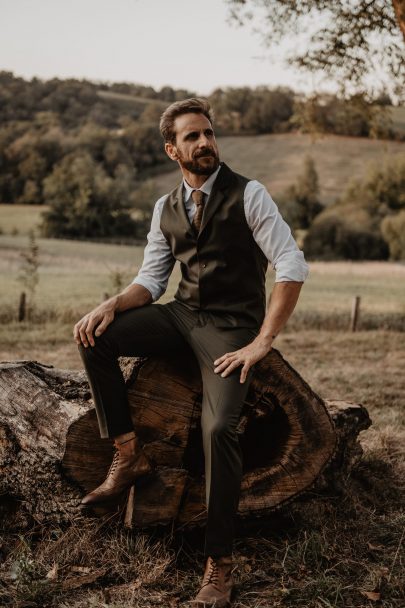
(140, 481)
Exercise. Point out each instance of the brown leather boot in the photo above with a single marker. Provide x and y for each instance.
(128, 464)
(217, 583)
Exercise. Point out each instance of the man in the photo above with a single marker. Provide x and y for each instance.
(223, 229)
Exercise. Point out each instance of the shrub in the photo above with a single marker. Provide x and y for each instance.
(299, 203)
(393, 231)
(331, 238)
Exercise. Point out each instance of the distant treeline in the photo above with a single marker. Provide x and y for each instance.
(86, 149)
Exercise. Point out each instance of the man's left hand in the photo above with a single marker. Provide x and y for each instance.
(246, 356)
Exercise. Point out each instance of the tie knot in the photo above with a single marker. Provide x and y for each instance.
(198, 197)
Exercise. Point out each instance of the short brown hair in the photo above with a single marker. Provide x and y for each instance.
(196, 105)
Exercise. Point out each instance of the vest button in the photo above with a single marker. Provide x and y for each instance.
(203, 265)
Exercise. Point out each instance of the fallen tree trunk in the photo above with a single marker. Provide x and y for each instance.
(51, 452)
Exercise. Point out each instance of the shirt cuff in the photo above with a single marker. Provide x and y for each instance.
(292, 267)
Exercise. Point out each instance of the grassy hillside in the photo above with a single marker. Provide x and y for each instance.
(125, 100)
(275, 160)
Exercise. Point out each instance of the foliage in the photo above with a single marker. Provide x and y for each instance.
(42, 122)
(393, 230)
(246, 110)
(352, 228)
(300, 204)
(381, 191)
(331, 238)
(347, 41)
(84, 201)
(354, 116)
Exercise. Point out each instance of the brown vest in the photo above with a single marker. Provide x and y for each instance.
(223, 269)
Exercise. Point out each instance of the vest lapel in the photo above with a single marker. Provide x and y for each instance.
(178, 204)
(218, 192)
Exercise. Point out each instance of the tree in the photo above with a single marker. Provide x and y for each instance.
(381, 191)
(348, 40)
(366, 219)
(300, 203)
(86, 202)
(269, 111)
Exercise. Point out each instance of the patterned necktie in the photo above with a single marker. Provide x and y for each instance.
(198, 198)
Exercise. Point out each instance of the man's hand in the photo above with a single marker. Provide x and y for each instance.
(246, 356)
(133, 296)
(100, 317)
(281, 304)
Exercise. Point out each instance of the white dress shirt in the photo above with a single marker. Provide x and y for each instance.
(270, 231)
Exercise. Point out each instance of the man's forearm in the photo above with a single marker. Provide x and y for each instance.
(282, 302)
(133, 296)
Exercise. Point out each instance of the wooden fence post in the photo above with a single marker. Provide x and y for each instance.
(354, 317)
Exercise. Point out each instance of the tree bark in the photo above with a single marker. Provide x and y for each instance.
(51, 452)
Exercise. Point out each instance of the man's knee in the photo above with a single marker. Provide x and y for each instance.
(218, 429)
(102, 347)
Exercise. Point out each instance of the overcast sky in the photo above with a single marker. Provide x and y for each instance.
(182, 43)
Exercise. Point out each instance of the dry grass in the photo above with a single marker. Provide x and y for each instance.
(339, 550)
(20, 219)
(329, 553)
(74, 275)
(276, 160)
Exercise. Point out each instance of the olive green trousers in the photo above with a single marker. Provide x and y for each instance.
(158, 329)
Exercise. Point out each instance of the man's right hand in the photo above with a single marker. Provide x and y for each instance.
(98, 318)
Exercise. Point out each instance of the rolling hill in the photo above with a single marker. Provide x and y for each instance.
(276, 160)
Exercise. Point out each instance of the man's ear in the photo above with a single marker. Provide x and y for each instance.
(171, 151)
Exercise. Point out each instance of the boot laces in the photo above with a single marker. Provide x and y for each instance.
(212, 576)
(114, 463)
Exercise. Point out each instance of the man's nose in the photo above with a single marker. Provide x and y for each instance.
(204, 142)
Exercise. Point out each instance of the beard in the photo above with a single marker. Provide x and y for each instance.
(200, 168)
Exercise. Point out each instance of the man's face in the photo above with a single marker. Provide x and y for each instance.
(195, 147)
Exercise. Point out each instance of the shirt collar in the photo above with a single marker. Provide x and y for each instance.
(206, 187)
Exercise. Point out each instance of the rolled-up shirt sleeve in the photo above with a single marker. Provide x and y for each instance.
(158, 260)
(273, 234)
